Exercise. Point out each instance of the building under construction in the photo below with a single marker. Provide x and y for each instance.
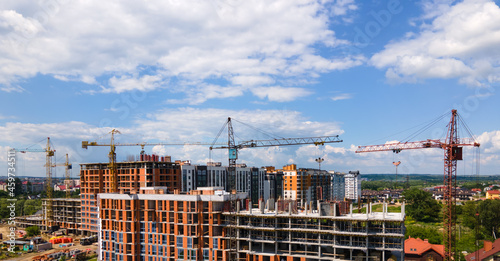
(201, 225)
(148, 171)
(280, 231)
(66, 213)
(158, 227)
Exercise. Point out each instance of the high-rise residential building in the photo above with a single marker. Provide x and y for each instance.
(147, 172)
(353, 185)
(338, 186)
(273, 184)
(247, 179)
(164, 227)
(306, 185)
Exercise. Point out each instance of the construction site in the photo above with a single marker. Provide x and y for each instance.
(281, 231)
(201, 225)
(150, 208)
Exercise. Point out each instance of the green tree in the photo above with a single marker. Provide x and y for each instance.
(32, 231)
(489, 216)
(423, 232)
(421, 206)
(18, 187)
(32, 206)
(469, 211)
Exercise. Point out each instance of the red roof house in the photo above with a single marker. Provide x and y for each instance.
(417, 249)
(490, 252)
(60, 188)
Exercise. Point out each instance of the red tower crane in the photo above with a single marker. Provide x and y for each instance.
(452, 147)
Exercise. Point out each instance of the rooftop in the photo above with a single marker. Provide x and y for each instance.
(374, 216)
(417, 246)
(488, 250)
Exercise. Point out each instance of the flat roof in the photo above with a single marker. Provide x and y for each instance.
(174, 197)
(374, 216)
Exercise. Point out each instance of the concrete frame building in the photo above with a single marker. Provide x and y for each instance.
(353, 186)
(28, 221)
(331, 232)
(163, 227)
(95, 178)
(66, 213)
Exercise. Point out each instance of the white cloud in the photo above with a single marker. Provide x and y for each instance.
(461, 43)
(159, 150)
(126, 83)
(343, 96)
(127, 45)
(191, 124)
(204, 92)
(343, 6)
(280, 94)
(490, 142)
(3, 117)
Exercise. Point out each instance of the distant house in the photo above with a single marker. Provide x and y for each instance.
(417, 249)
(24, 186)
(490, 252)
(59, 188)
(3, 186)
(492, 194)
(464, 194)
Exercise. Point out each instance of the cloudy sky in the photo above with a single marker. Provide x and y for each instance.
(173, 71)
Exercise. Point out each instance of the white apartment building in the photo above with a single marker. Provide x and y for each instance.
(352, 185)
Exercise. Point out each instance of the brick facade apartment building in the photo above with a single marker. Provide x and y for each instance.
(163, 227)
(95, 179)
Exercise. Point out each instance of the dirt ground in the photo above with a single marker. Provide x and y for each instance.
(4, 230)
(56, 248)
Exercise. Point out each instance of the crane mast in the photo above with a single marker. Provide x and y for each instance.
(452, 146)
(112, 162)
(67, 167)
(49, 154)
(48, 169)
(452, 153)
(67, 174)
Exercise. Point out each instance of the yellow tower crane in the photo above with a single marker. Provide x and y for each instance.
(67, 176)
(49, 154)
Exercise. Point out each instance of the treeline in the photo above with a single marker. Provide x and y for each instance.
(476, 220)
(23, 206)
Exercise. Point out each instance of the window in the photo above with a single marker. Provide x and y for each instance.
(180, 253)
(215, 243)
(179, 241)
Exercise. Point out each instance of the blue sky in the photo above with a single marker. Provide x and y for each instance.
(370, 71)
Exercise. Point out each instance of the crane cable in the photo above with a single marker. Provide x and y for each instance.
(426, 127)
